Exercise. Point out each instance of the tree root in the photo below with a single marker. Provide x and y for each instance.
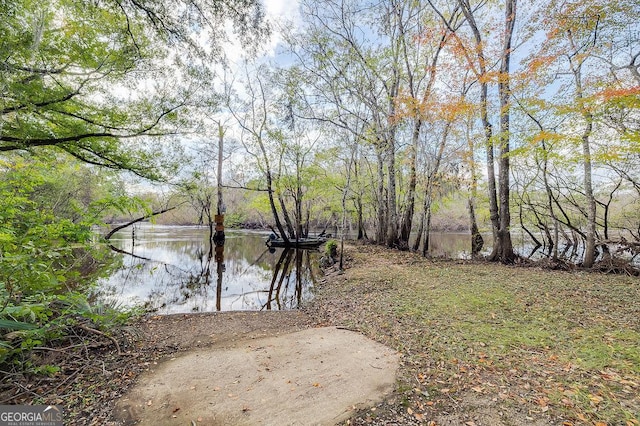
(616, 266)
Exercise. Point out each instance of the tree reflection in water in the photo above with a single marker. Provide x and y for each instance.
(171, 270)
(283, 273)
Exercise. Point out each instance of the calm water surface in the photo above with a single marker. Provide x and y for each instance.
(171, 269)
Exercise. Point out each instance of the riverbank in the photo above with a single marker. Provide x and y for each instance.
(480, 343)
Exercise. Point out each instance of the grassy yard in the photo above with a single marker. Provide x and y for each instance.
(492, 344)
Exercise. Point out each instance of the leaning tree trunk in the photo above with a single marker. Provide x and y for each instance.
(287, 218)
(274, 210)
(486, 124)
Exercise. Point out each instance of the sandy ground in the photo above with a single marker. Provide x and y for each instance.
(316, 376)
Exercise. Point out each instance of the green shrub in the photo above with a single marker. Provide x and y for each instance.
(331, 248)
(48, 262)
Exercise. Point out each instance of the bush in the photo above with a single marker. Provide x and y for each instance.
(331, 248)
(48, 264)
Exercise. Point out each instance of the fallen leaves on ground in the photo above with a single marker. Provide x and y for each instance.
(522, 344)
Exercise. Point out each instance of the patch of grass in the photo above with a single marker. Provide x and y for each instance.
(598, 348)
(566, 345)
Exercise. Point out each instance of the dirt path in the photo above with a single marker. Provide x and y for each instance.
(314, 376)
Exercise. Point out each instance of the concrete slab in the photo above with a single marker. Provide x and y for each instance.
(311, 377)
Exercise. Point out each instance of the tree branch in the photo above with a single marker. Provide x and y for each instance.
(140, 219)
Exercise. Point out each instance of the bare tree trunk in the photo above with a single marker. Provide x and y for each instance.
(358, 198)
(503, 251)
(272, 202)
(392, 208)
(274, 210)
(426, 229)
(286, 217)
(221, 208)
(575, 62)
(361, 231)
(486, 124)
(590, 241)
(428, 196)
(382, 216)
(392, 212)
(407, 219)
(219, 236)
(416, 243)
(345, 194)
(307, 221)
(298, 214)
(477, 242)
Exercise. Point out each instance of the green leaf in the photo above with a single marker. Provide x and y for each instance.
(16, 325)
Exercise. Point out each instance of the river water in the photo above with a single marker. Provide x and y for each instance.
(171, 269)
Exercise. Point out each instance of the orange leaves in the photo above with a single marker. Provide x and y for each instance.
(491, 77)
(545, 135)
(449, 111)
(615, 93)
(460, 48)
(540, 63)
(432, 110)
(430, 34)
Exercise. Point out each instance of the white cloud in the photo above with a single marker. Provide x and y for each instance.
(281, 14)
(276, 9)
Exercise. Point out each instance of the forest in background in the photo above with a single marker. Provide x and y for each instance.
(387, 113)
(370, 116)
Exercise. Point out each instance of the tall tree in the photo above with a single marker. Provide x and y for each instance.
(95, 79)
(479, 61)
(353, 52)
(421, 64)
(503, 248)
(255, 114)
(479, 64)
(588, 57)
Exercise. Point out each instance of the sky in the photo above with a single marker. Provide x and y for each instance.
(277, 10)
